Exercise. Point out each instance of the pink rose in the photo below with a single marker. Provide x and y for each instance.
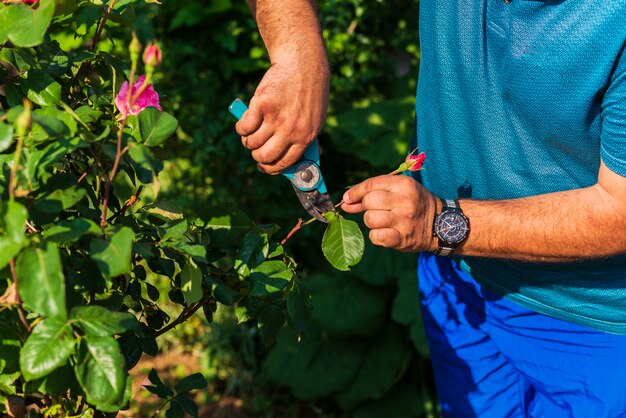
(147, 98)
(152, 55)
(415, 162)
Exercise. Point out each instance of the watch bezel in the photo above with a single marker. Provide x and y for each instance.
(459, 219)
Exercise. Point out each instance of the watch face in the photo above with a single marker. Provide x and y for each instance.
(451, 227)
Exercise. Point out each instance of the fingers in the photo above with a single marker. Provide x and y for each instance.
(272, 151)
(376, 219)
(386, 237)
(380, 183)
(290, 157)
(259, 137)
(250, 122)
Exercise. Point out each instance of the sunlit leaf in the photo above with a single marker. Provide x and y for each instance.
(343, 244)
(41, 282)
(49, 346)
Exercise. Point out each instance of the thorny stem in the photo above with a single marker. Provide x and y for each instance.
(96, 38)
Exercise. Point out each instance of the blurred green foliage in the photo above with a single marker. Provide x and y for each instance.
(363, 351)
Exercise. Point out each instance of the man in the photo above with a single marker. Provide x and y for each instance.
(521, 110)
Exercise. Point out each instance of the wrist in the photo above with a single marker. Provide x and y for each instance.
(432, 240)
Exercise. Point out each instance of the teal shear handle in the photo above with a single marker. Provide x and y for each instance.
(310, 157)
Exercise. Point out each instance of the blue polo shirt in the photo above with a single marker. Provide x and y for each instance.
(525, 97)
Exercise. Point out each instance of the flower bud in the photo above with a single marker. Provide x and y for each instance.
(24, 120)
(135, 49)
(152, 55)
(415, 162)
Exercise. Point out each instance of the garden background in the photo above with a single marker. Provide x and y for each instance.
(360, 350)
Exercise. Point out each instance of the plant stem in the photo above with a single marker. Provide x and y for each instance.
(296, 228)
(184, 315)
(16, 163)
(20, 310)
(103, 21)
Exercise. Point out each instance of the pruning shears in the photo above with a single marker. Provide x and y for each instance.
(305, 175)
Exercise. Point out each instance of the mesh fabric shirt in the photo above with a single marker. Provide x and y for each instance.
(525, 98)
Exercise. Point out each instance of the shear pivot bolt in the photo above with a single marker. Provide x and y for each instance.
(306, 176)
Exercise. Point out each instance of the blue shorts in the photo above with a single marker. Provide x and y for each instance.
(493, 358)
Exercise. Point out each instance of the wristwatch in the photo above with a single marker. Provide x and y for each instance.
(451, 227)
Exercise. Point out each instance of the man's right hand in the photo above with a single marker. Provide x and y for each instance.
(286, 113)
(289, 105)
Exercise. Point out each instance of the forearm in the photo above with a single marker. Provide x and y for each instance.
(290, 27)
(565, 226)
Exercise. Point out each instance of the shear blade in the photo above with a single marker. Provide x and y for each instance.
(315, 203)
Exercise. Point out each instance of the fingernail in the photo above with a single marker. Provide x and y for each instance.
(346, 197)
(258, 167)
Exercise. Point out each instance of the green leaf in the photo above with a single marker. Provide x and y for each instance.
(343, 242)
(175, 411)
(271, 276)
(156, 126)
(159, 388)
(25, 26)
(41, 282)
(192, 382)
(315, 366)
(12, 220)
(188, 405)
(48, 347)
(406, 311)
(101, 372)
(6, 137)
(346, 306)
(191, 282)
(113, 257)
(173, 230)
(384, 365)
(69, 231)
(41, 89)
(98, 321)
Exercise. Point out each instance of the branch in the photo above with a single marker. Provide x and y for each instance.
(96, 38)
(184, 315)
(18, 300)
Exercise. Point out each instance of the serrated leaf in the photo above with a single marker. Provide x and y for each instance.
(191, 282)
(271, 276)
(101, 372)
(113, 257)
(42, 89)
(68, 231)
(25, 26)
(41, 282)
(156, 126)
(99, 321)
(192, 382)
(343, 242)
(12, 219)
(47, 348)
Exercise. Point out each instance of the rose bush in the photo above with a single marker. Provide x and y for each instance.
(84, 235)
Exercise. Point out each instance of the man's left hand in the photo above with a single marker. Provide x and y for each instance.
(398, 210)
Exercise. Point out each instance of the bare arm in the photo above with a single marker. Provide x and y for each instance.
(564, 226)
(576, 224)
(289, 105)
